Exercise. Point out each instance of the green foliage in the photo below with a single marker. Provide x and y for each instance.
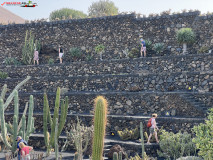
(148, 45)
(173, 146)
(137, 157)
(75, 53)
(51, 61)
(134, 53)
(158, 47)
(203, 49)
(129, 134)
(115, 156)
(102, 8)
(14, 129)
(79, 136)
(185, 35)
(100, 121)
(12, 61)
(47, 119)
(29, 47)
(66, 13)
(99, 48)
(3, 75)
(204, 137)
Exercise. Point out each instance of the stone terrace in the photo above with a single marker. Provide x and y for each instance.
(135, 88)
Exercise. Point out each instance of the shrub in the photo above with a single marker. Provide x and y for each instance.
(134, 53)
(204, 137)
(203, 49)
(185, 35)
(51, 61)
(12, 61)
(148, 45)
(75, 53)
(173, 146)
(3, 75)
(158, 47)
(129, 134)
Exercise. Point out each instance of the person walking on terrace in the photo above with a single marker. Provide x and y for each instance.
(25, 151)
(153, 129)
(61, 53)
(19, 140)
(143, 47)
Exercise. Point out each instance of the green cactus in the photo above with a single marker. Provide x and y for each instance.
(100, 120)
(120, 155)
(115, 156)
(50, 138)
(56, 140)
(142, 139)
(76, 156)
(14, 129)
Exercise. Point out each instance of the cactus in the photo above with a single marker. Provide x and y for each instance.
(142, 139)
(13, 129)
(115, 156)
(100, 121)
(76, 156)
(50, 138)
(120, 155)
(56, 140)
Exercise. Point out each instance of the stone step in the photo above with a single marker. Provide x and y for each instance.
(116, 123)
(174, 63)
(131, 82)
(120, 103)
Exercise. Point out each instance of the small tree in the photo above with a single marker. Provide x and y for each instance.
(100, 49)
(185, 36)
(102, 8)
(204, 137)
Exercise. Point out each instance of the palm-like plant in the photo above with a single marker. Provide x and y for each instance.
(185, 36)
(100, 49)
(158, 47)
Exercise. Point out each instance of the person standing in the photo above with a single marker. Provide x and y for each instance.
(36, 58)
(25, 151)
(143, 47)
(19, 140)
(153, 129)
(61, 53)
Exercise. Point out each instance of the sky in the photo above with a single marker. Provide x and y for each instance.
(45, 7)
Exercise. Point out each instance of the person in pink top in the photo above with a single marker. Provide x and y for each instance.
(153, 129)
(36, 58)
(25, 151)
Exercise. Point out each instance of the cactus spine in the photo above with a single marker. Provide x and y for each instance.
(115, 156)
(100, 121)
(50, 138)
(13, 129)
(120, 155)
(142, 139)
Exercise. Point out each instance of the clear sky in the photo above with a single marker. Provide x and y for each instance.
(45, 7)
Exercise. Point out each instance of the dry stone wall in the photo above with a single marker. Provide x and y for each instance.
(115, 32)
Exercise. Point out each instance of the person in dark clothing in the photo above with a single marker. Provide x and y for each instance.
(61, 53)
(19, 140)
(143, 47)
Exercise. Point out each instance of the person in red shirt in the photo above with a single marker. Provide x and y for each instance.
(25, 151)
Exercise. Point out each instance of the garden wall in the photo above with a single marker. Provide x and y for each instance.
(115, 32)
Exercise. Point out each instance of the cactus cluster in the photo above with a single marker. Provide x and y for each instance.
(51, 138)
(100, 121)
(129, 134)
(15, 128)
(117, 156)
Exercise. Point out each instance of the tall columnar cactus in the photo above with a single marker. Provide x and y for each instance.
(50, 138)
(120, 155)
(115, 156)
(76, 156)
(100, 121)
(142, 139)
(13, 129)
(56, 140)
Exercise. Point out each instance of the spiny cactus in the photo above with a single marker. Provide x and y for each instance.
(115, 156)
(142, 139)
(56, 140)
(76, 156)
(100, 121)
(13, 129)
(50, 138)
(120, 155)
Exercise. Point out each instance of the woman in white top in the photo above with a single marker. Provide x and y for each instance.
(153, 128)
(61, 53)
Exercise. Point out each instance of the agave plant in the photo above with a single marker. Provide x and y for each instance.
(158, 47)
(185, 36)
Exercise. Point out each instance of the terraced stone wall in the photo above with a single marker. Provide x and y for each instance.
(115, 32)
